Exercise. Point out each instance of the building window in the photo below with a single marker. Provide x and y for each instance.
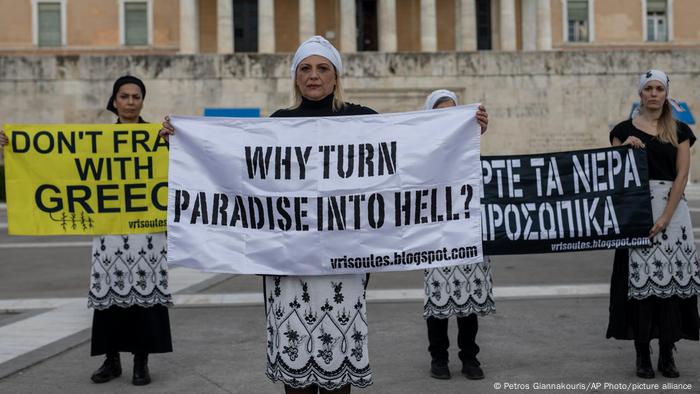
(657, 20)
(49, 26)
(578, 25)
(366, 19)
(483, 24)
(245, 25)
(135, 23)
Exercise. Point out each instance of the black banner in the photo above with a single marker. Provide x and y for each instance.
(564, 202)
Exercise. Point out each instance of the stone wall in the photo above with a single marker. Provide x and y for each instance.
(537, 101)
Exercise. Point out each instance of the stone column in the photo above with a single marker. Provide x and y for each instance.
(307, 19)
(428, 26)
(189, 26)
(507, 22)
(529, 24)
(466, 25)
(224, 26)
(387, 25)
(348, 26)
(266, 26)
(544, 26)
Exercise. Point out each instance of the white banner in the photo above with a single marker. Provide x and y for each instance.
(320, 196)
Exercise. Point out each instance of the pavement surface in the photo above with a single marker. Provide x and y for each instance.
(548, 334)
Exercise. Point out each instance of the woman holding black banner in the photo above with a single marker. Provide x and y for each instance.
(463, 291)
(653, 290)
(129, 279)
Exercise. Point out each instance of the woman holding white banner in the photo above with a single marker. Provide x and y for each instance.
(653, 290)
(316, 325)
(463, 291)
(327, 349)
(129, 279)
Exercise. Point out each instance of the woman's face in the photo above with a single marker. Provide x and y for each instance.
(653, 95)
(446, 104)
(128, 101)
(315, 77)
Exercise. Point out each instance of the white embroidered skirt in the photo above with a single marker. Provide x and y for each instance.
(670, 266)
(129, 270)
(459, 290)
(317, 331)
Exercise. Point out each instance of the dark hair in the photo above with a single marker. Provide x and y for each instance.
(121, 81)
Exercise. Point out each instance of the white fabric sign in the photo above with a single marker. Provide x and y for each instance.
(326, 195)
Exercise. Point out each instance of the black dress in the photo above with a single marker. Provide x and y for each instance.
(323, 107)
(130, 316)
(667, 319)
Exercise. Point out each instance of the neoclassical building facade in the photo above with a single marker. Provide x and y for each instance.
(554, 74)
(277, 26)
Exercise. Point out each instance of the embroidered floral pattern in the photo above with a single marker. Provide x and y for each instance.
(293, 339)
(359, 339)
(305, 292)
(458, 290)
(124, 277)
(338, 289)
(321, 338)
(670, 265)
(327, 344)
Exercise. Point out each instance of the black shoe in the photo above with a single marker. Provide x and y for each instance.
(644, 368)
(666, 365)
(471, 370)
(110, 369)
(439, 369)
(141, 376)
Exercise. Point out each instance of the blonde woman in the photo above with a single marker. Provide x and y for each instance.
(653, 290)
(316, 325)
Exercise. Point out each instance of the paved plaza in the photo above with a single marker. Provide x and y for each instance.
(548, 334)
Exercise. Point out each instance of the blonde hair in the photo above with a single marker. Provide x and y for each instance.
(338, 101)
(666, 127)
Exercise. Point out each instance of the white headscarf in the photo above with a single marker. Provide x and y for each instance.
(654, 75)
(436, 95)
(317, 45)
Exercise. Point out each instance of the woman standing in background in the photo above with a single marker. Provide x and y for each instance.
(653, 290)
(463, 291)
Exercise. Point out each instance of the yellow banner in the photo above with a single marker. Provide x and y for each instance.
(85, 179)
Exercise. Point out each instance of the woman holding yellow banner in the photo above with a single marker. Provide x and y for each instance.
(129, 279)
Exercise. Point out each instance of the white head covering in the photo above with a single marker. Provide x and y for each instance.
(436, 95)
(653, 75)
(317, 45)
